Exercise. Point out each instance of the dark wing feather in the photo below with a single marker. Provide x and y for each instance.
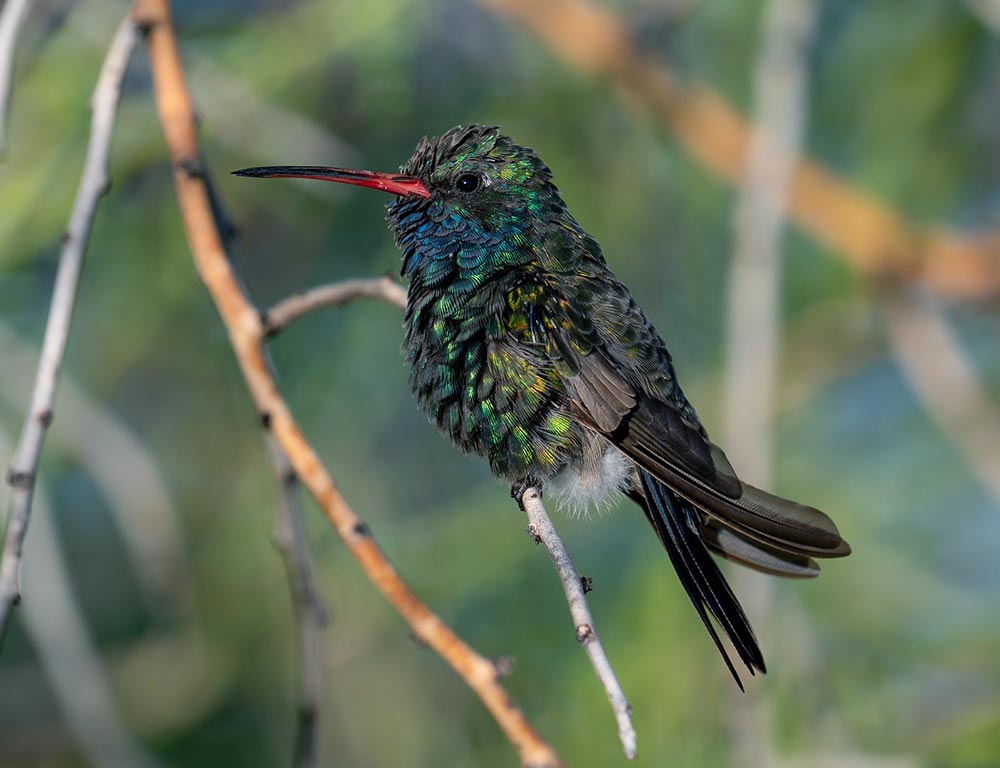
(659, 432)
(676, 523)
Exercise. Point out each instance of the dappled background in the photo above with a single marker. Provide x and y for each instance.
(861, 378)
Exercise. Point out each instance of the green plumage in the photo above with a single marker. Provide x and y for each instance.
(525, 349)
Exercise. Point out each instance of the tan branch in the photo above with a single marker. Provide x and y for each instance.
(541, 529)
(93, 184)
(866, 231)
(334, 295)
(946, 383)
(246, 335)
(12, 18)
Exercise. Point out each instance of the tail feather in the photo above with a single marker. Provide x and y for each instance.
(677, 524)
(754, 554)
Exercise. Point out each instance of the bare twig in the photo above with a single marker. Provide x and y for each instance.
(93, 185)
(946, 383)
(12, 18)
(754, 325)
(870, 234)
(290, 539)
(241, 118)
(246, 335)
(540, 528)
(75, 671)
(122, 469)
(334, 295)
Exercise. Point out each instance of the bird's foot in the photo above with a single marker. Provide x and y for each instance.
(518, 489)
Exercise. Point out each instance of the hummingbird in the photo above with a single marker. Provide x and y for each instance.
(526, 350)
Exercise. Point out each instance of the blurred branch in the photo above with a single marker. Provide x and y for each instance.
(987, 11)
(53, 621)
(288, 529)
(93, 184)
(284, 312)
(123, 470)
(754, 323)
(541, 529)
(246, 335)
(12, 18)
(945, 382)
(869, 233)
(241, 118)
(290, 539)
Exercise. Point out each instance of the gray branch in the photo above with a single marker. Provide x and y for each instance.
(93, 184)
(541, 529)
(290, 539)
(12, 19)
(754, 324)
(334, 295)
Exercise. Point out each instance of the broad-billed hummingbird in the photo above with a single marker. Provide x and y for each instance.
(525, 349)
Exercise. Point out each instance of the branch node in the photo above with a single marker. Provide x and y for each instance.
(265, 420)
(267, 327)
(20, 479)
(584, 634)
(45, 418)
(532, 531)
(361, 530)
(521, 487)
(191, 166)
(504, 666)
(144, 24)
(587, 583)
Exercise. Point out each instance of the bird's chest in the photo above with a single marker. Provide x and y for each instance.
(484, 392)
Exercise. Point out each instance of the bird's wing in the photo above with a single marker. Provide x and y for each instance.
(620, 382)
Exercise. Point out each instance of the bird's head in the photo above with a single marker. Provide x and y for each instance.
(470, 190)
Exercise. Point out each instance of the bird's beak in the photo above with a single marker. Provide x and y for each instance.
(392, 183)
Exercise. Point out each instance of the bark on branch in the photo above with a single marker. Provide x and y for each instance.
(93, 184)
(541, 529)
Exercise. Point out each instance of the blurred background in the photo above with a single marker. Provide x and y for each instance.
(850, 362)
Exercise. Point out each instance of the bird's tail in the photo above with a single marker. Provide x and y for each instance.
(679, 526)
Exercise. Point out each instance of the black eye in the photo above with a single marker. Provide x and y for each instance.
(467, 182)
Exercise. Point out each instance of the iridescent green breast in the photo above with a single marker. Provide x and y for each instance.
(476, 379)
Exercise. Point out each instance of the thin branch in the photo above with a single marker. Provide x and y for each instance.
(246, 335)
(754, 323)
(58, 631)
(945, 381)
(123, 471)
(12, 18)
(284, 312)
(93, 184)
(866, 231)
(541, 529)
(290, 538)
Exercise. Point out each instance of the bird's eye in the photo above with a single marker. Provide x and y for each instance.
(467, 182)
